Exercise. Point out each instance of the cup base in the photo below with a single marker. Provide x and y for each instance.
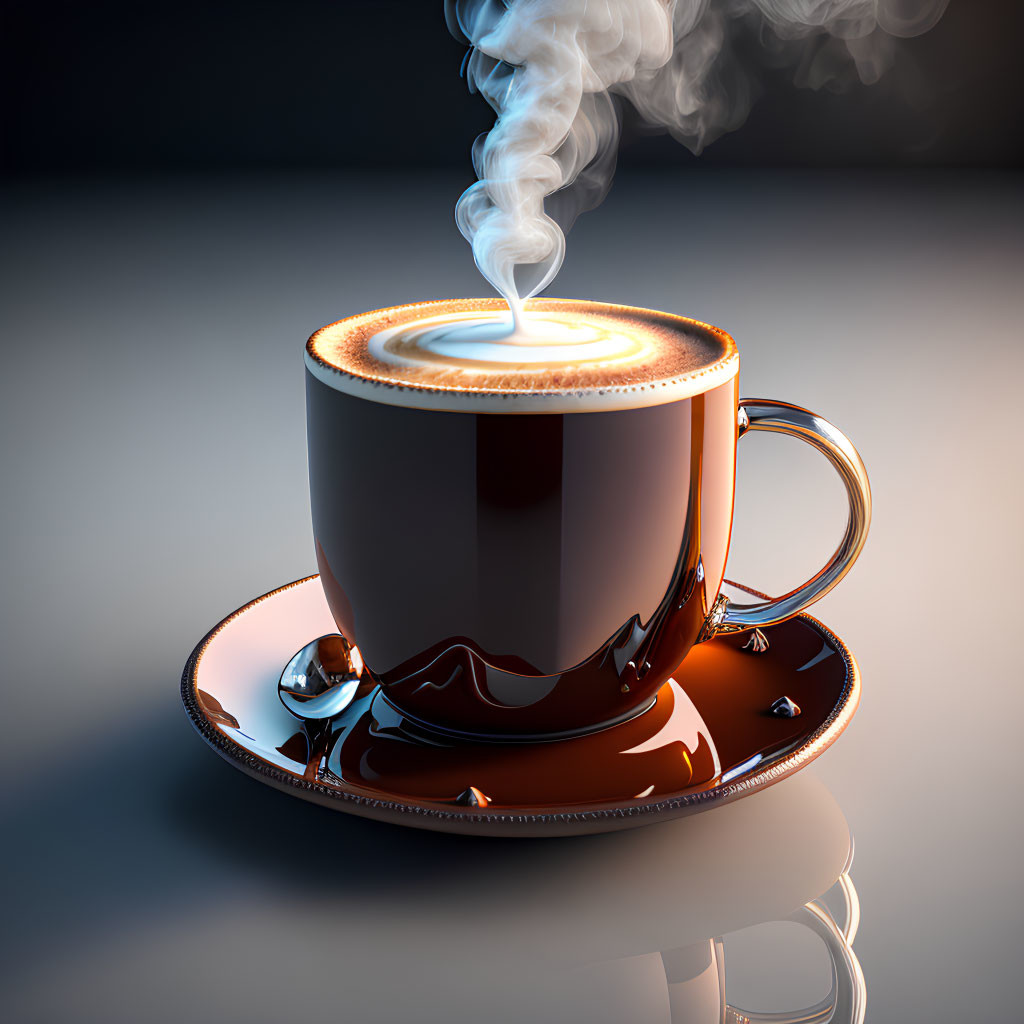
(430, 729)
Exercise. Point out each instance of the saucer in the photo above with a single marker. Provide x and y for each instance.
(716, 732)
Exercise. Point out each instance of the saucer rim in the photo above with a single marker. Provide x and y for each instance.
(510, 821)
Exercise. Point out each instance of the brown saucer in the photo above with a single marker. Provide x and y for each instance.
(709, 738)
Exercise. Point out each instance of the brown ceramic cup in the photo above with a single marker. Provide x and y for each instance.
(517, 564)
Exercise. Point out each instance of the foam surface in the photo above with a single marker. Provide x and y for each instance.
(565, 347)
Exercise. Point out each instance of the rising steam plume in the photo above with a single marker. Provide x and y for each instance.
(557, 73)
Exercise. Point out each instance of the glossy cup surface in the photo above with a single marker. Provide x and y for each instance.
(516, 574)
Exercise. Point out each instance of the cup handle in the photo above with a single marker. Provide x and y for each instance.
(783, 418)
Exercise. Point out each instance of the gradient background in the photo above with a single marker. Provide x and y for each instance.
(189, 191)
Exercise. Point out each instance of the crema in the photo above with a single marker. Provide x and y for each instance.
(562, 353)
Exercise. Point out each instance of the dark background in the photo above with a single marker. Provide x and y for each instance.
(137, 87)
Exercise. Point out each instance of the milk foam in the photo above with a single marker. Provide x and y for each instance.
(558, 355)
(474, 342)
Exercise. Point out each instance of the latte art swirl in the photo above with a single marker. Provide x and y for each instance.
(558, 355)
(475, 343)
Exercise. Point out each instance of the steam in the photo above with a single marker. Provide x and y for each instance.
(556, 73)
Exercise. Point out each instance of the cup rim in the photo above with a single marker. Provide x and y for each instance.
(466, 398)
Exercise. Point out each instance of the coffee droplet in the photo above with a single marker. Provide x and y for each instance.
(472, 797)
(757, 643)
(784, 707)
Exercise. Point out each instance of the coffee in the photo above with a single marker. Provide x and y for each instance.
(601, 355)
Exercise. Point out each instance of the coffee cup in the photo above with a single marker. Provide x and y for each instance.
(524, 540)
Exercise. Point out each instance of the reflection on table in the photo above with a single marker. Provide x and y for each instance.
(621, 927)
